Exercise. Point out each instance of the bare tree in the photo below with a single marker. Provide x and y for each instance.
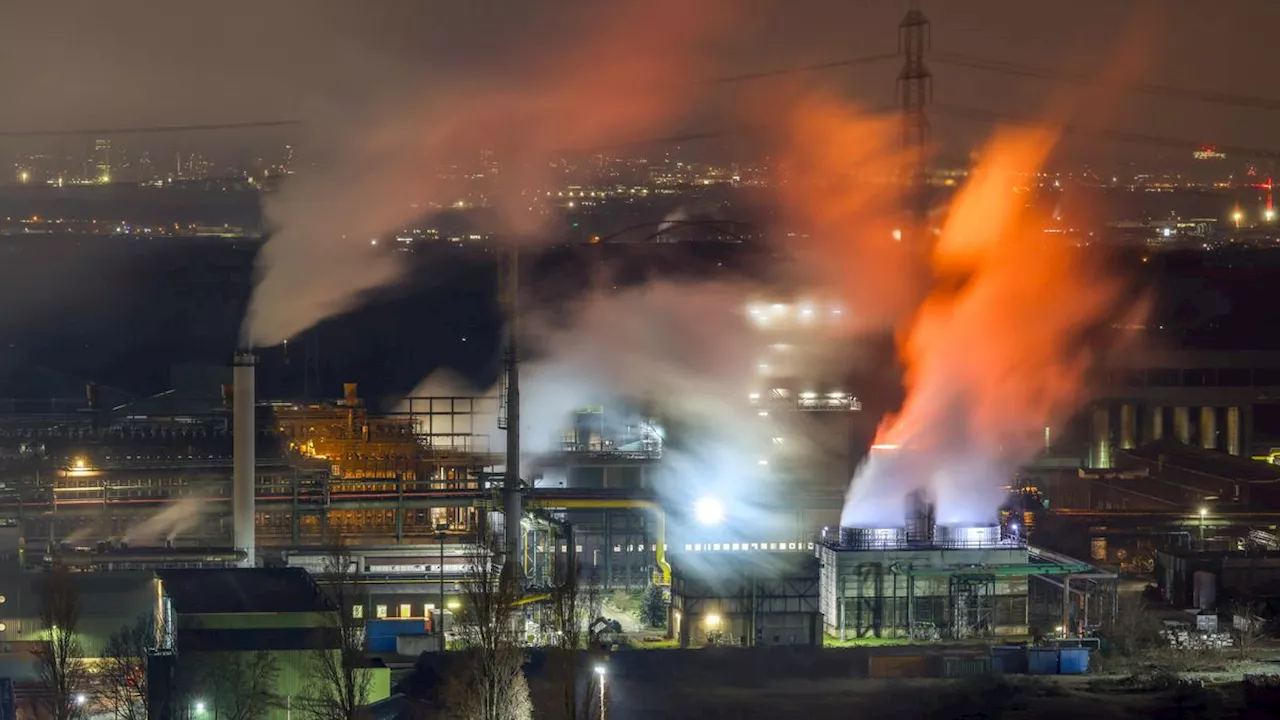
(1249, 626)
(1133, 630)
(60, 663)
(488, 682)
(122, 674)
(339, 685)
(567, 616)
(233, 685)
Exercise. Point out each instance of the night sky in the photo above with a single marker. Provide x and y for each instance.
(66, 64)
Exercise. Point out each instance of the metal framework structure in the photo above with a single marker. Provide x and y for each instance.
(915, 89)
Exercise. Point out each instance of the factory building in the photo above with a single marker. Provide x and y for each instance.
(745, 599)
(928, 580)
(950, 581)
(221, 624)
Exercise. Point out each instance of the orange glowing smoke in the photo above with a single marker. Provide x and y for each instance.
(992, 314)
(839, 191)
(996, 352)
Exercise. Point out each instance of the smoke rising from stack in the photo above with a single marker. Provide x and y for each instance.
(996, 352)
(605, 75)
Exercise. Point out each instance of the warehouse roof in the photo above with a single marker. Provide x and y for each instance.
(243, 590)
(1207, 462)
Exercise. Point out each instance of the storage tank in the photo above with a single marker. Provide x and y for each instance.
(967, 535)
(1204, 590)
(873, 538)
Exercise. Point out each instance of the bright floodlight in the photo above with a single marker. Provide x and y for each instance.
(80, 699)
(708, 511)
(600, 670)
(1204, 511)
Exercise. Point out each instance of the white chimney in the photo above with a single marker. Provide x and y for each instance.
(244, 465)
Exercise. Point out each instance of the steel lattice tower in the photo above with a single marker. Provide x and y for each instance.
(915, 89)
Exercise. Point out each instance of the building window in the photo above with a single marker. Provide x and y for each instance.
(357, 611)
(381, 611)
(406, 611)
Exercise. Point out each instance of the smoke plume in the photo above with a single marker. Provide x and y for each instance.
(608, 74)
(176, 518)
(995, 353)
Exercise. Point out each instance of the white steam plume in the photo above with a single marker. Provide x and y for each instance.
(176, 518)
(612, 73)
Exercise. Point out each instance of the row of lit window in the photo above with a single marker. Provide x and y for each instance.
(738, 547)
(616, 548)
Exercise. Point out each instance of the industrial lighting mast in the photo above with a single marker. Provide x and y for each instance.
(915, 89)
(509, 419)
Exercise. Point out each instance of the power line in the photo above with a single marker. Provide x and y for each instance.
(157, 129)
(1106, 133)
(1159, 90)
(801, 69)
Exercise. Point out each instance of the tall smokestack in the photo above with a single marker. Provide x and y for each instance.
(512, 505)
(245, 461)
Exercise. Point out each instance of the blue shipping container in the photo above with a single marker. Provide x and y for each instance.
(380, 635)
(1009, 659)
(1042, 661)
(394, 626)
(1073, 661)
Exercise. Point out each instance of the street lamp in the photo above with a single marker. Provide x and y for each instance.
(600, 672)
(440, 535)
(1203, 511)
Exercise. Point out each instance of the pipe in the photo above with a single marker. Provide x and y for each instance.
(245, 460)
(659, 528)
(512, 503)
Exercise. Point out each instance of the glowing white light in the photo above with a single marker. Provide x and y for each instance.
(753, 396)
(884, 446)
(81, 699)
(1269, 214)
(764, 413)
(713, 621)
(762, 462)
(1167, 232)
(600, 670)
(806, 312)
(200, 707)
(897, 235)
(808, 395)
(708, 511)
